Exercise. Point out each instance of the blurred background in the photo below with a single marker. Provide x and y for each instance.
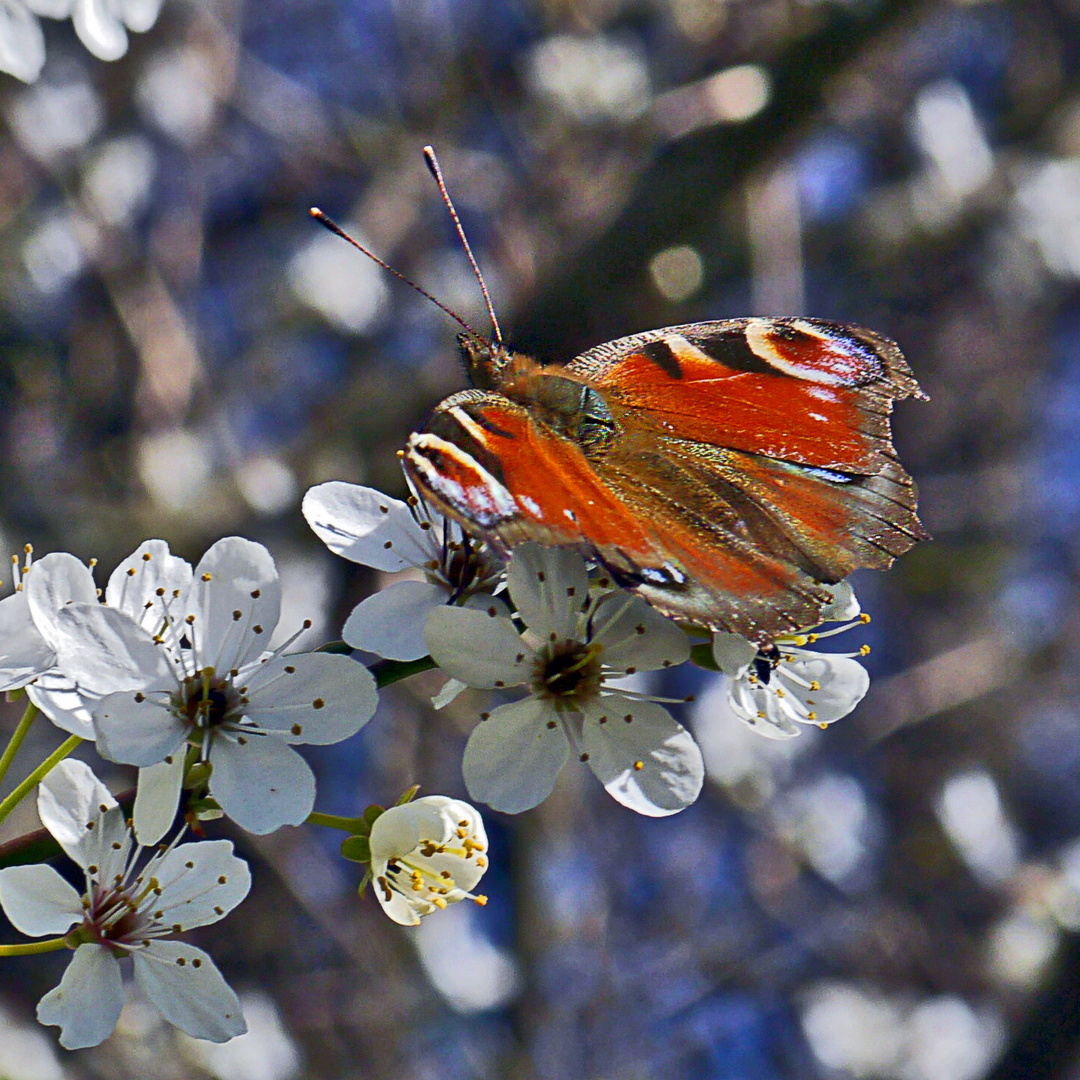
(183, 352)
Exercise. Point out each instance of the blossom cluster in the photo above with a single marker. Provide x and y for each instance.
(170, 669)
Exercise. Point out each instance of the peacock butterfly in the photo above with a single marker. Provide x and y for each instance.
(726, 471)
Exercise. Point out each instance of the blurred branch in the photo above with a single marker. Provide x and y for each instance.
(678, 193)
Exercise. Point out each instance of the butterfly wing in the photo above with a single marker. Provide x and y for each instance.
(725, 470)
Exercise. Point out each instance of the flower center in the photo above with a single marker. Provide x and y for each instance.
(567, 672)
(207, 701)
(765, 662)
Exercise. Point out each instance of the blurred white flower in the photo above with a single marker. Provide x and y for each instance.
(575, 643)
(102, 26)
(426, 854)
(368, 527)
(205, 679)
(778, 687)
(127, 909)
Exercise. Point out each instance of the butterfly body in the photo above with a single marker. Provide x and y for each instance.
(725, 470)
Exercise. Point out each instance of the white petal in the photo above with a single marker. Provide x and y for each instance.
(391, 622)
(147, 583)
(548, 586)
(235, 597)
(643, 757)
(401, 830)
(138, 728)
(185, 986)
(99, 30)
(843, 683)
(843, 607)
(478, 648)
(311, 697)
(733, 654)
(635, 635)
(70, 802)
(450, 692)
(59, 699)
(200, 883)
(759, 708)
(38, 901)
(140, 15)
(156, 798)
(24, 653)
(105, 651)
(22, 44)
(366, 526)
(513, 758)
(55, 580)
(260, 782)
(88, 1001)
(51, 9)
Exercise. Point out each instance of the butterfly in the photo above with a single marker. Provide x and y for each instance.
(726, 471)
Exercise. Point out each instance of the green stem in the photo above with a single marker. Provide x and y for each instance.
(392, 671)
(335, 821)
(38, 775)
(17, 737)
(32, 947)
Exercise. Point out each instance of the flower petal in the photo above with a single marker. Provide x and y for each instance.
(38, 901)
(644, 758)
(105, 651)
(365, 526)
(59, 699)
(71, 801)
(513, 758)
(842, 682)
(200, 883)
(24, 653)
(88, 1001)
(637, 636)
(733, 654)
(391, 622)
(261, 782)
(548, 586)
(138, 728)
(317, 698)
(477, 647)
(147, 583)
(99, 30)
(235, 598)
(759, 708)
(185, 986)
(22, 43)
(843, 606)
(53, 581)
(157, 797)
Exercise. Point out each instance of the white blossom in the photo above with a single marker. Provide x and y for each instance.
(368, 527)
(426, 854)
(576, 641)
(206, 680)
(101, 26)
(130, 905)
(32, 632)
(776, 688)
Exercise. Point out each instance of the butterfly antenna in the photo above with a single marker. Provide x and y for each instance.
(337, 230)
(433, 165)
